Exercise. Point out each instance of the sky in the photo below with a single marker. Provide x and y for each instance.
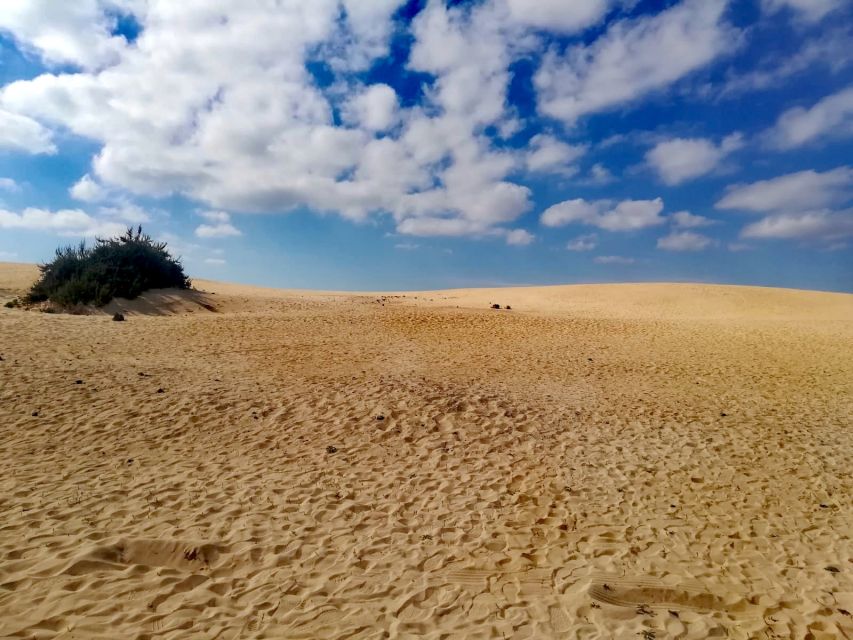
(421, 144)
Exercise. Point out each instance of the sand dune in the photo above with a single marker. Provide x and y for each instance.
(603, 461)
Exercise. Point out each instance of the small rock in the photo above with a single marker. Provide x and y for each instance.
(723, 414)
(161, 390)
(118, 317)
(833, 569)
(508, 308)
(331, 449)
(380, 417)
(130, 461)
(496, 306)
(78, 382)
(35, 414)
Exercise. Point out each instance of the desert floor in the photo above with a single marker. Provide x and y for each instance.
(608, 461)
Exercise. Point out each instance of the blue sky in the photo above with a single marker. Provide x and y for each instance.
(383, 144)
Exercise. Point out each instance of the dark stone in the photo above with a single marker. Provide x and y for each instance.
(331, 449)
(35, 414)
(496, 306)
(380, 417)
(161, 390)
(118, 317)
(78, 382)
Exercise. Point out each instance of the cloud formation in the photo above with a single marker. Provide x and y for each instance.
(635, 56)
(803, 190)
(684, 241)
(218, 226)
(628, 215)
(682, 159)
(832, 116)
(586, 242)
(65, 222)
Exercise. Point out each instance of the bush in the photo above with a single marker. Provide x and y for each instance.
(120, 267)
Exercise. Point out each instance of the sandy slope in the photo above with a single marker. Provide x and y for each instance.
(625, 461)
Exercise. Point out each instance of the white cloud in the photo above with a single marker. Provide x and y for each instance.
(682, 159)
(9, 256)
(684, 241)
(804, 190)
(20, 133)
(633, 58)
(87, 190)
(77, 32)
(407, 246)
(547, 154)
(8, 184)
(613, 260)
(830, 50)
(227, 114)
(822, 226)
(586, 242)
(599, 175)
(519, 237)
(216, 262)
(808, 10)
(220, 226)
(831, 117)
(65, 222)
(559, 15)
(687, 220)
(628, 215)
(375, 109)
(569, 211)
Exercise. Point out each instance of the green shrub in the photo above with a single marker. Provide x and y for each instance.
(120, 267)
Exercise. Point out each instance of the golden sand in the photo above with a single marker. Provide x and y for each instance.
(609, 461)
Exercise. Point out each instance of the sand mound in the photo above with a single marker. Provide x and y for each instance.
(303, 465)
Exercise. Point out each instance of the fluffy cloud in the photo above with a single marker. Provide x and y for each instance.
(800, 206)
(804, 190)
(832, 116)
(219, 226)
(7, 184)
(87, 190)
(586, 242)
(684, 241)
(20, 133)
(65, 222)
(613, 260)
(547, 154)
(633, 58)
(687, 220)
(227, 113)
(78, 32)
(519, 237)
(822, 226)
(375, 108)
(682, 159)
(627, 215)
(809, 10)
(558, 15)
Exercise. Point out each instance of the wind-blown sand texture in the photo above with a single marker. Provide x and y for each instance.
(608, 461)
